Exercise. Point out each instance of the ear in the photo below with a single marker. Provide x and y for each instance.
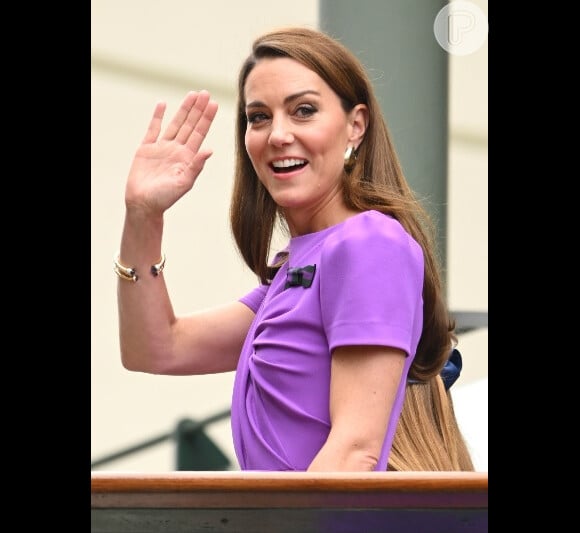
(358, 119)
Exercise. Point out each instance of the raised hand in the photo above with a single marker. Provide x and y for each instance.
(166, 166)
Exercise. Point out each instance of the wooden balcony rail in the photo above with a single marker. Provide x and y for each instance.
(289, 502)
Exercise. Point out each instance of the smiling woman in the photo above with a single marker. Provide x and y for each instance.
(296, 138)
(346, 312)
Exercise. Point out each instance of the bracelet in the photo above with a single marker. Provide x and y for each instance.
(130, 274)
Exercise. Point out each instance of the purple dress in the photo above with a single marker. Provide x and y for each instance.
(363, 287)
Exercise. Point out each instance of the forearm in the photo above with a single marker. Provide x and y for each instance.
(345, 456)
(145, 312)
(364, 381)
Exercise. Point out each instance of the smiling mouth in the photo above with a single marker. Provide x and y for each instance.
(288, 165)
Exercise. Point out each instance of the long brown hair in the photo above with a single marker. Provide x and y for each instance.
(376, 182)
(428, 436)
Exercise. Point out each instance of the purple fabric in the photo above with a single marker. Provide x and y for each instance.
(367, 289)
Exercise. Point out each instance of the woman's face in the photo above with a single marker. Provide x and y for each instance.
(296, 135)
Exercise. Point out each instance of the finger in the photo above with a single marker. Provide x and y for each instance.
(202, 126)
(198, 162)
(155, 124)
(181, 116)
(193, 117)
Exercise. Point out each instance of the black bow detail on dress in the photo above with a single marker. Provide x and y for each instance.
(300, 276)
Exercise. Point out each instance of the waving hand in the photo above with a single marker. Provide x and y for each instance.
(167, 164)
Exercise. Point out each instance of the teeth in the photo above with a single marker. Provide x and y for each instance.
(288, 163)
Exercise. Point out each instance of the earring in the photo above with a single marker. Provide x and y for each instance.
(349, 158)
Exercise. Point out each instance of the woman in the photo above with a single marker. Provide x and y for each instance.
(353, 305)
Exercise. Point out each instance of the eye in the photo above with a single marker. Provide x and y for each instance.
(305, 111)
(256, 118)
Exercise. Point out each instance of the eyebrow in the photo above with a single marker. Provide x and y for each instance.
(288, 99)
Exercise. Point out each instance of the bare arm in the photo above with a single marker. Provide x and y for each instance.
(152, 339)
(363, 386)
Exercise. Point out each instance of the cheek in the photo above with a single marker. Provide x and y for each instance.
(248, 144)
(253, 145)
(330, 139)
(330, 148)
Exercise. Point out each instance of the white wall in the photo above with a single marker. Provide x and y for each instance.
(146, 50)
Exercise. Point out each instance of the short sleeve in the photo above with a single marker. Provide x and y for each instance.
(371, 285)
(255, 297)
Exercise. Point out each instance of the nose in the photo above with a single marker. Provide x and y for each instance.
(281, 133)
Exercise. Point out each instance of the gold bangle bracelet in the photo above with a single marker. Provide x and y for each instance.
(130, 274)
(158, 267)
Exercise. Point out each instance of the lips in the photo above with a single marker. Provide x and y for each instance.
(290, 164)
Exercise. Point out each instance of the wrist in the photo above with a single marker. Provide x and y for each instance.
(129, 273)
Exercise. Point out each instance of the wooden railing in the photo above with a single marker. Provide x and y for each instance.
(289, 502)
